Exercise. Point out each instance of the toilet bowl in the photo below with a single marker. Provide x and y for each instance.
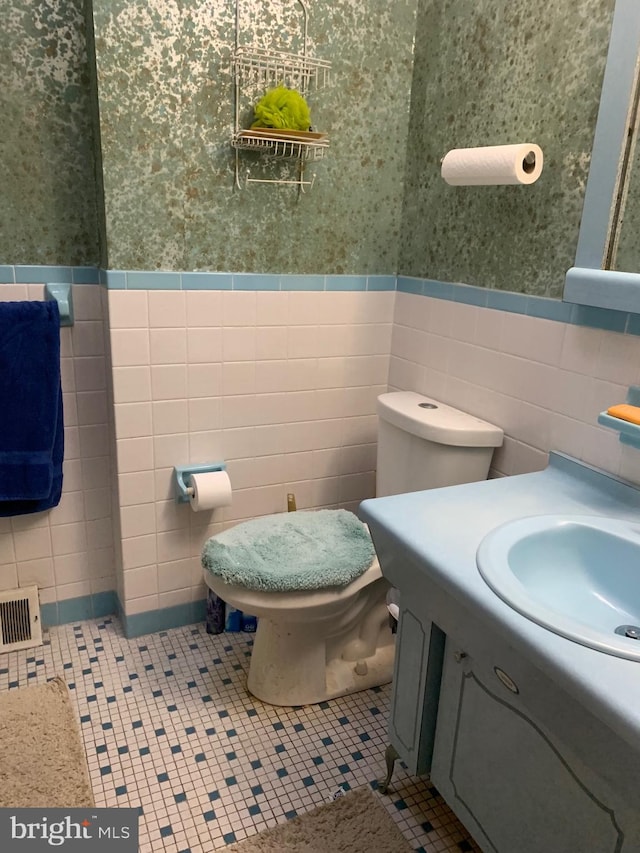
(314, 644)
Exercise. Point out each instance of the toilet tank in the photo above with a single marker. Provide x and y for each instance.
(423, 444)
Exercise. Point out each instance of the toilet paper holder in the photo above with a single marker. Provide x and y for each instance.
(183, 474)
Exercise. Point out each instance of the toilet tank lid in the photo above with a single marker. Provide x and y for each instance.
(435, 421)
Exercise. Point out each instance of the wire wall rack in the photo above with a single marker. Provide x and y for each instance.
(291, 69)
(254, 70)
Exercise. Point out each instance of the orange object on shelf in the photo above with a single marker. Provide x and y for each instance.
(625, 412)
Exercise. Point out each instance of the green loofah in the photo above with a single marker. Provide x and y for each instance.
(282, 108)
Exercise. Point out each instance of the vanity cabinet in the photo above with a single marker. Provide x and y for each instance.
(507, 778)
(415, 691)
(532, 739)
(505, 749)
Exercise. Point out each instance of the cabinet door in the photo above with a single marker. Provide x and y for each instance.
(416, 689)
(503, 776)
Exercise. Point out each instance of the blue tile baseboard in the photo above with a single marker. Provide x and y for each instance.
(74, 609)
(107, 603)
(137, 624)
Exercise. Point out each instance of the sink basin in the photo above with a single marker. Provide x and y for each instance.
(578, 576)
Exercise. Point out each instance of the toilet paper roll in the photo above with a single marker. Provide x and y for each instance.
(210, 490)
(493, 164)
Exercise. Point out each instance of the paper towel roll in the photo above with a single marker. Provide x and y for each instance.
(493, 164)
(210, 490)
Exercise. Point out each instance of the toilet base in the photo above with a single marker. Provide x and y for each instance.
(289, 665)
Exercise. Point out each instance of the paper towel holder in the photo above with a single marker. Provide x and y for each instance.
(183, 474)
(529, 162)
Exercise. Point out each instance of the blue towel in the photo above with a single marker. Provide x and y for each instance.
(31, 418)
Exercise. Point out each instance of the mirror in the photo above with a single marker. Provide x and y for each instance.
(607, 266)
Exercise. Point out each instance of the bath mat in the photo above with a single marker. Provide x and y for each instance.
(291, 551)
(42, 759)
(355, 823)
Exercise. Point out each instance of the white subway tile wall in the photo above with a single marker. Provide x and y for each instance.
(68, 552)
(281, 386)
(543, 382)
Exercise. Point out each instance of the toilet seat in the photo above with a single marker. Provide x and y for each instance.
(317, 604)
(291, 552)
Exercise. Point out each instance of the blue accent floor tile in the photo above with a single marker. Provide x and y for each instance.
(153, 742)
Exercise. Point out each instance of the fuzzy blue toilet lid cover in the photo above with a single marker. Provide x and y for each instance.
(291, 551)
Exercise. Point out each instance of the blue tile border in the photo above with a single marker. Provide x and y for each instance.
(345, 282)
(159, 620)
(405, 284)
(549, 309)
(143, 280)
(255, 281)
(41, 274)
(207, 281)
(501, 300)
(381, 282)
(471, 295)
(73, 609)
(505, 300)
(242, 281)
(542, 307)
(302, 282)
(85, 275)
(115, 279)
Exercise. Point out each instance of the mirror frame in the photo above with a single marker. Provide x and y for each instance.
(587, 283)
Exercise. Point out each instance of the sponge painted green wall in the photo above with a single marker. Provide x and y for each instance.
(48, 209)
(166, 114)
(485, 72)
(493, 72)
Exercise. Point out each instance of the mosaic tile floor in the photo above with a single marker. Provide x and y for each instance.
(169, 727)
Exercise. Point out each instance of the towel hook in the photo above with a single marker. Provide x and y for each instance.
(61, 293)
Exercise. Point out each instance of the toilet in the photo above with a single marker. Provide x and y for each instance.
(314, 644)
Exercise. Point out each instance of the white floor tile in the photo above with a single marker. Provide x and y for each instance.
(169, 728)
